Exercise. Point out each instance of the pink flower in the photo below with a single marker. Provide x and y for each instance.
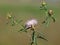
(29, 23)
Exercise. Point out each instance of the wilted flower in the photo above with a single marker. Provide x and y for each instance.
(31, 23)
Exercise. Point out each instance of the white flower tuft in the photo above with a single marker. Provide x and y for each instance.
(31, 22)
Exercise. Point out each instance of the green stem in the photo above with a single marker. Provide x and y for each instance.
(34, 41)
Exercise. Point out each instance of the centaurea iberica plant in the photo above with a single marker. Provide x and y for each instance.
(31, 24)
(43, 5)
(50, 15)
(11, 19)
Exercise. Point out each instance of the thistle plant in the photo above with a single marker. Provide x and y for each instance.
(43, 5)
(50, 15)
(11, 19)
(31, 24)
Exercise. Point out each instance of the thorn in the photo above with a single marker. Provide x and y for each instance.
(42, 38)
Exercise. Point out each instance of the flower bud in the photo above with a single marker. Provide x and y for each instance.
(50, 12)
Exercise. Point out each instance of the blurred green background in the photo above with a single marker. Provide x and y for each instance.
(25, 10)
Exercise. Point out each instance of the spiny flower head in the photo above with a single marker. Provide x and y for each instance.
(9, 16)
(50, 12)
(31, 23)
(43, 3)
